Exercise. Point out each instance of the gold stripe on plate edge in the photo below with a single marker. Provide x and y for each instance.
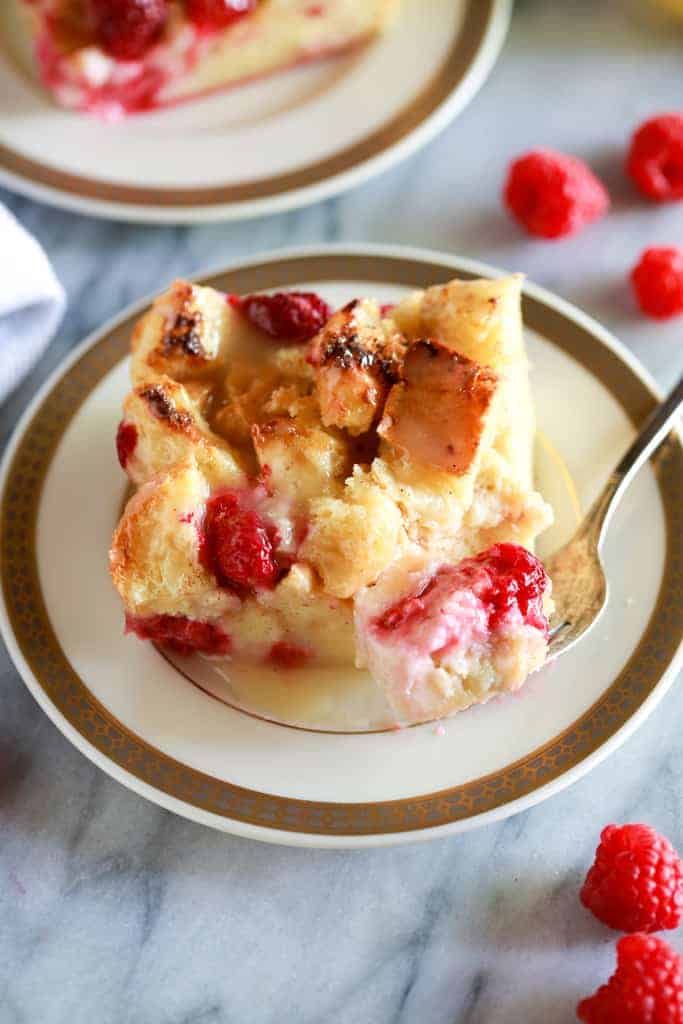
(40, 647)
(475, 25)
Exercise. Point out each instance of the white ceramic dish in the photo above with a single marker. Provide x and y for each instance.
(135, 716)
(268, 146)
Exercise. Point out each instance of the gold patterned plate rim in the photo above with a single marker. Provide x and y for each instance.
(476, 45)
(37, 653)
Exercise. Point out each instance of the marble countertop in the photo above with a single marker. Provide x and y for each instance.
(114, 911)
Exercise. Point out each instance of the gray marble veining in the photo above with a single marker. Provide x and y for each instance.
(113, 911)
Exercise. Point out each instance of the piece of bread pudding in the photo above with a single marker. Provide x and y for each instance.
(319, 487)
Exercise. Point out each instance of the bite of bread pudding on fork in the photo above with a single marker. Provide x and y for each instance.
(338, 488)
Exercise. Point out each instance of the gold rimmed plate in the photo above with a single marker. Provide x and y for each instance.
(265, 147)
(136, 716)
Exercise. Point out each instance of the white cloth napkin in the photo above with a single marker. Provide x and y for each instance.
(32, 302)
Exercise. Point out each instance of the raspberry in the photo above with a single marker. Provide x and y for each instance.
(212, 15)
(655, 157)
(236, 543)
(517, 578)
(512, 577)
(658, 282)
(179, 634)
(285, 655)
(553, 195)
(287, 316)
(126, 439)
(126, 29)
(636, 881)
(646, 988)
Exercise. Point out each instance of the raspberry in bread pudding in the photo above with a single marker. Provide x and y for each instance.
(114, 57)
(318, 487)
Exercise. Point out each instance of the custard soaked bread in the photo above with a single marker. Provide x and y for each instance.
(349, 486)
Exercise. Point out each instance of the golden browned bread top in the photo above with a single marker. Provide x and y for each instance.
(387, 429)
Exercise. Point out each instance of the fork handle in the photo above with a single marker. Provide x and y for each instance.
(652, 433)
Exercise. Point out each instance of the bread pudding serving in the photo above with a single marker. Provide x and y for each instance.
(338, 488)
(114, 57)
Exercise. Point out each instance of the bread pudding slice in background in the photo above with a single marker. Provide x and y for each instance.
(346, 487)
(116, 57)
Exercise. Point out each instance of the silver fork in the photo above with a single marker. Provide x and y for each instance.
(580, 586)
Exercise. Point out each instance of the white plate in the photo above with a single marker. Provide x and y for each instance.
(133, 714)
(265, 147)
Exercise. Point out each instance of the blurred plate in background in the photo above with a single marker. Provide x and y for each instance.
(260, 148)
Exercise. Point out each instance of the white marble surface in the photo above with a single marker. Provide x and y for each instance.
(116, 912)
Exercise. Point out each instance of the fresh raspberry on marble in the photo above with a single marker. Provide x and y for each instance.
(127, 29)
(552, 194)
(657, 281)
(286, 316)
(646, 988)
(655, 158)
(213, 15)
(636, 881)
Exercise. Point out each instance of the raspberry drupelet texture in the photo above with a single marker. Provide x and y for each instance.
(646, 988)
(286, 316)
(552, 195)
(655, 158)
(237, 545)
(657, 280)
(517, 578)
(506, 576)
(636, 881)
(127, 29)
(213, 15)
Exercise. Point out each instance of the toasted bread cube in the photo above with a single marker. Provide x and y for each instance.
(301, 461)
(441, 410)
(352, 539)
(355, 359)
(168, 429)
(256, 391)
(186, 334)
(247, 391)
(482, 320)
(432, 502)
